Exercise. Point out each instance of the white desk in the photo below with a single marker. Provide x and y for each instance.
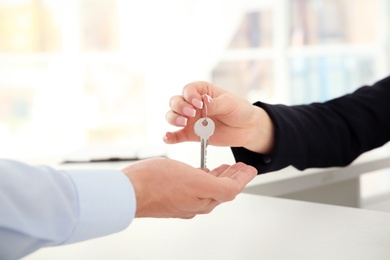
(338, 186)
(250, 227)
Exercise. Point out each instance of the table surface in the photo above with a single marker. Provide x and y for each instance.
(289, 180)
(249, 227)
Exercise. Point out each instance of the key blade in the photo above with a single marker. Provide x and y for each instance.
(203, 153)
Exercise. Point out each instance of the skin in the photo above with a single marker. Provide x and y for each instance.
(237, 122)
(167, 188)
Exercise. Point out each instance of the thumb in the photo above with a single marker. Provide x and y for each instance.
(180, 136)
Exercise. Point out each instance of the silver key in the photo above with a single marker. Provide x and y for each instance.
(204, 128)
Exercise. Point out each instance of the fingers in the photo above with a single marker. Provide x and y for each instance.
(192, 95)
(198, 94)
(232, 169)
(194, 91)
(218, 100)
(196, 100)
(220, 185)
(232, 180)
(246, 174)
(235, 170)
(184, 111)
(219, 170)
(229, 171)
(180, 111)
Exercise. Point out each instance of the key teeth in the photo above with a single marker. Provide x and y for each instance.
(205, 153)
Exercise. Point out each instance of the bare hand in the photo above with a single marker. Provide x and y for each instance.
(237, 122)
(168, 188)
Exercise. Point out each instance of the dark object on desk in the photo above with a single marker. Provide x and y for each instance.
(114, 154)
(111, 159)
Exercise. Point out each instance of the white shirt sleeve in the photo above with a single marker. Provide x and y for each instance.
(41, 206)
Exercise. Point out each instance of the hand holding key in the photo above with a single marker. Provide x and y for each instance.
(238, 123)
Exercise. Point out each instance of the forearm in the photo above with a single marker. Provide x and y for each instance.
(42, 207)
(326, 134)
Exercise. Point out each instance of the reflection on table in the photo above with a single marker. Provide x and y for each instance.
(250, 227)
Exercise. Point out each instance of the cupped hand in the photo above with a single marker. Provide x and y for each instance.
(167, 188)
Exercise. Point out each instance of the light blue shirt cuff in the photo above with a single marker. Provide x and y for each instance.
(106, 203)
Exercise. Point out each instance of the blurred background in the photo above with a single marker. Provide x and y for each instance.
(99, 73)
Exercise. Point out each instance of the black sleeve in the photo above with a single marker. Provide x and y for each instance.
(326, 134)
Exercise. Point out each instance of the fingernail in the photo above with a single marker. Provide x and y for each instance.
(181, 120)
(197, 103)
(189, 111)
(208, 98)
(165, 138)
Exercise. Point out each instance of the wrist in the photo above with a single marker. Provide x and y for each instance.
(134, 179)
(261, 136)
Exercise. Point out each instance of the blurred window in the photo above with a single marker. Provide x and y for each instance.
(303, 51)
(63, 83)
(101, 72)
